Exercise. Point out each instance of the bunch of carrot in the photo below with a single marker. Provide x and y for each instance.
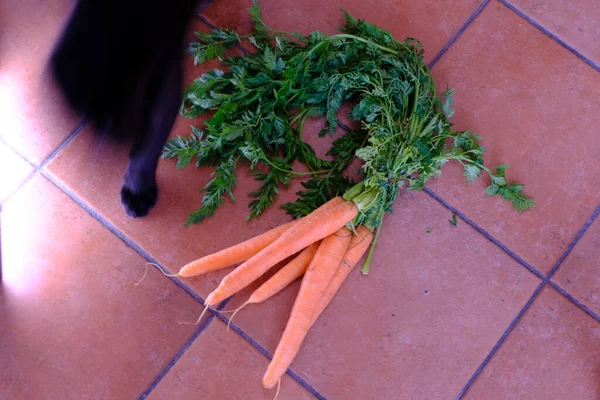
(325, 245)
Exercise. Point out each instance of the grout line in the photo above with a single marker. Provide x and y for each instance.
(267, 354)
(572, 298)
(501, 340)
(63, 144)
(54, 152)
(18, 152)
(546, 280)
(344, 126)
(179, 354)
(23, 183)
(583, 229)
(129, 242)
(50, 157)
(203, 6)
(213, 26)
(205, 21)
(550, 35)
(116, 231)
(492, 239)
(453, 39)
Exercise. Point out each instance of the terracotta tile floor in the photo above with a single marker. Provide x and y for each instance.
(503, 306)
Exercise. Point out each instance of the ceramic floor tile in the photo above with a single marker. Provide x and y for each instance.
(35, 119)
(535, 105)
(95, 173)
(13, 171)
(575, 22)
(431, 23)
(579, 274)
(222, 365)
(551, 354)
(73, 323)
(418, 325)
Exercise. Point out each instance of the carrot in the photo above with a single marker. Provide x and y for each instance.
(358, 247)
(234, 254)
(316, 279)
(286, 275)
(309, 230)
(242, 251)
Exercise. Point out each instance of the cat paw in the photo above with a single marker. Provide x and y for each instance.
(138, 203)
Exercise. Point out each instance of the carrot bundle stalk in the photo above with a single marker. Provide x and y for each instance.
(310, 229)
(325, 251)
(314, 284)
(244, 250)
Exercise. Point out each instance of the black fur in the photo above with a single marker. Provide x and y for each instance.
(118, 63)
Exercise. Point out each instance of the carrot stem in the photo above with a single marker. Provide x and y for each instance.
(367, 264)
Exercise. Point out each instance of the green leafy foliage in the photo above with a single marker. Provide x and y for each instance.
(260, 101)
(453, 221)
(509, 191)
(318, 191)
(214, 191)
(212, 45)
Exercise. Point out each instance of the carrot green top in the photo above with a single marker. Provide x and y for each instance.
(263, 100)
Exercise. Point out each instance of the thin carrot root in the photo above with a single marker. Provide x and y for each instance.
(235, 312)
(278, 389)
(158, 268)
(228, 311)
(206, 307)
(143, 277)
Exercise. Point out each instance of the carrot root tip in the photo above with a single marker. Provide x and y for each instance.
(158, 268)
(278, 389)
(143, 276)
(206, 307)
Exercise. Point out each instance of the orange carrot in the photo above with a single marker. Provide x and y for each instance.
(286, 275)
(309, 230)
(241, 251)
(234, 254)
(358, 247)
(316, 279)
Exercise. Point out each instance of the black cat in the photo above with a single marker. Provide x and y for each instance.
(118, 62)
